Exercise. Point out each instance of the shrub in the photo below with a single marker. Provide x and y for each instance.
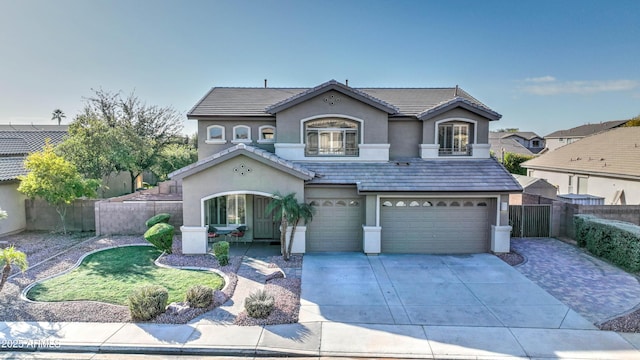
(259, 304)
(147, 302)
(156, 219)
(616, 241)
(199, 296)
(221, 251)
(161, 236)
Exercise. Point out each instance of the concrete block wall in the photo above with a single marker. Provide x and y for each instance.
(40, 216)
(128, 218)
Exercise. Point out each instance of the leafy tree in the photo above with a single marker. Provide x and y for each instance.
(173, 157)
(633, 122)
(512, 163)
(290, 212)
(8, 258)
(120, 134)
(55, 180)
(57, 115)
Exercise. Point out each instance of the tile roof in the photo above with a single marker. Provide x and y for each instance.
(527, 135)
(416, 175)
(587, 129)
(35, 139)
(11, 167)
(614, 153)
(526, 181)
(13, 146)
(256, 153)
(234, 101)
(497, 143)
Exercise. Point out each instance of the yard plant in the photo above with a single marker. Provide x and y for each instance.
(221, 251)
(161, 236)
(199, 296)
(111, 275)
(11, 257)
(158, 218)
(147, 302)
(259, 304)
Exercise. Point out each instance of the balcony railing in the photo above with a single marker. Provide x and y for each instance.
(319, 151)
(465, 151)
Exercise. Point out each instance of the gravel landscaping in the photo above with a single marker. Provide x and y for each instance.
(69, 249)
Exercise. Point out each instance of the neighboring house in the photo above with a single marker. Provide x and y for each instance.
(533, 189)
(501, 144)
(564, 137)
(530, 140)
(387, 169)
(605, 165)
(16, 142)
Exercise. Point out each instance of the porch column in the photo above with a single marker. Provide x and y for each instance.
(371, 242)
(194, 239)
(299, 239)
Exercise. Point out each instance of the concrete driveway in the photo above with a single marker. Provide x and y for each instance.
(465, 290)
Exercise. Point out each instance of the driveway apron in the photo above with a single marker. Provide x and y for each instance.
(448, 290)
(597, 290)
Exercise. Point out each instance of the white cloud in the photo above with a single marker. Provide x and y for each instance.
(542, 79)
(578, 87)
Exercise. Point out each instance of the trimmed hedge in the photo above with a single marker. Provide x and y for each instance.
(161, 236)
(157, 219)
(147, 302)
(616, 241)
(221, 251)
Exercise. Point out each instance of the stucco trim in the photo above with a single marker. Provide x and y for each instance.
(471, 121)
(461, 103)
(339, 116)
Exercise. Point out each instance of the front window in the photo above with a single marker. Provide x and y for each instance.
(267, 134)
(241, 133)
(453, 139)
(215, 134)
(226, 210)
(331, 137)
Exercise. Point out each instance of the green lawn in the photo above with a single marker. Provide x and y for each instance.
(110, 275)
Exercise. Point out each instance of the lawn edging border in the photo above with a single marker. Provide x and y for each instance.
(199, 268)
(23, 293)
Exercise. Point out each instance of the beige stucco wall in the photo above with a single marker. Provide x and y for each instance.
(13, 203)
(405, 136)
(596, 185)
(205, 149)
(329, 192)
(375, 121)
(482, 124)
(222, 178)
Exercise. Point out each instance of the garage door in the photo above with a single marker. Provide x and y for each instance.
(336, 225)
(435, 226)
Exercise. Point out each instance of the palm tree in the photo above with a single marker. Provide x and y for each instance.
(57, 115)
(9, 257)
(283, 205)
(302, 211)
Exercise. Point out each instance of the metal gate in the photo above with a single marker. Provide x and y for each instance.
(530, 220)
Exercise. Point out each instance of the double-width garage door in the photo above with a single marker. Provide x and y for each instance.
(336, 225)
(435, 226)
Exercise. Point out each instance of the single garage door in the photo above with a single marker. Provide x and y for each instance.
(435, 226)
(336, 225)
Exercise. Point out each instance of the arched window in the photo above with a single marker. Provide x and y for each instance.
(331, 137)
(267, 134)
(215, 135)
(241, 134)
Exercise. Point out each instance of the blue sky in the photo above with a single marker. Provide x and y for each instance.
(544, 65)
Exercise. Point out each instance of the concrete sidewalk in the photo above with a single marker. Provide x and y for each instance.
(320, 339)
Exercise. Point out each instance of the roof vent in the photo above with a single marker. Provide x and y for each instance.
(265, 83)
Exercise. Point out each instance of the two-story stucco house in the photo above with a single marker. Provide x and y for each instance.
(388, 170)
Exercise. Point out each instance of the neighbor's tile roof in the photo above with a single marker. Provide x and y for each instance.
(528, 135)
(416, 175)
(614, 152)
(35, 139)
(498, 142)
(11, 167)
(586, 130)
(234, 101)
(13, 146)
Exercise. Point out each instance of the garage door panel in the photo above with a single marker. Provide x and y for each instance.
(336, 225)
(421, 226)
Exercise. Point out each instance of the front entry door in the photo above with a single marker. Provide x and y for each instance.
(264, 226)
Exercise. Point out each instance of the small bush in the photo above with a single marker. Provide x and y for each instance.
(199, 296)
(157, 219)
(147, 302)
(221, 251)
(616, 241)
(259, 304)
(161, 236)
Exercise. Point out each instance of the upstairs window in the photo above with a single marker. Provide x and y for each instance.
(267, 134)
(241, 134)
(215, 135)
(331, 137)
(453, 139)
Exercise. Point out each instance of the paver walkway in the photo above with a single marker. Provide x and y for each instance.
(595, 289)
